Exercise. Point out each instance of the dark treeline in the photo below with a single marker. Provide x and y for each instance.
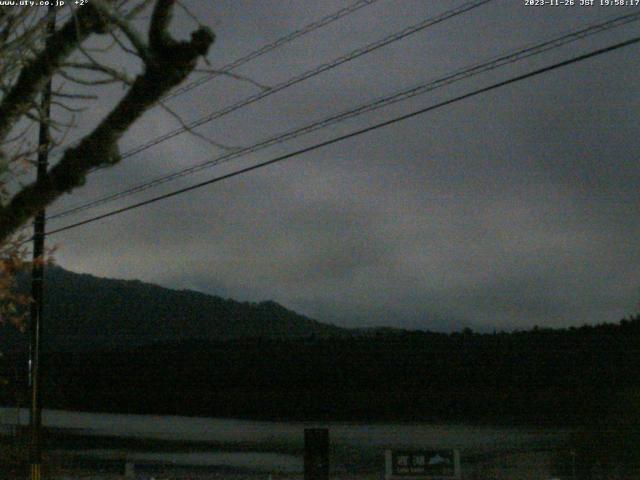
(566, 376)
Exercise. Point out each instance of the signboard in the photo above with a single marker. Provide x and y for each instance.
(422, 464)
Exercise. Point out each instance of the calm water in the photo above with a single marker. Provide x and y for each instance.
(345, 436)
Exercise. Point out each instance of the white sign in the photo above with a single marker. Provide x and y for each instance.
(422, 464)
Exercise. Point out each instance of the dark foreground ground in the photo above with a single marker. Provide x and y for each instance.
(562, 462)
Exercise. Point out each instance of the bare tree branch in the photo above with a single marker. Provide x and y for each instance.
(132, 35)
(123, 46)
(85, 81)
(76, 96)
(34, 76)
(192, 131)
(168, 63)
(159, 30)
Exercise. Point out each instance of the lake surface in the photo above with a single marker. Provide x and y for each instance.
(345, 437)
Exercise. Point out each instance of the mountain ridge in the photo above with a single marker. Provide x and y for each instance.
(85, 312)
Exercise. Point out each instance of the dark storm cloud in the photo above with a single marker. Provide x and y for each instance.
(515, 208)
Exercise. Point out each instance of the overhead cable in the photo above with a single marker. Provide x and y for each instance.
(420, 89)
(324, 21)
(362, 131)
(309, 74)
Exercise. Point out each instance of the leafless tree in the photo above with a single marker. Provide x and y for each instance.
(79, 54)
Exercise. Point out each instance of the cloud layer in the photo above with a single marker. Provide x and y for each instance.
(515, 208)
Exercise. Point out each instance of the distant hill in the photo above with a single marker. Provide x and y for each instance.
(127, 346)
(84, 312)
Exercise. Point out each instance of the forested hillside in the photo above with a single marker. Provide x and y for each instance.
(85, 313)
(127, 346)
(538, 376)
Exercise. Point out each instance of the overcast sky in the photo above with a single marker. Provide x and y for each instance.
(515, 208)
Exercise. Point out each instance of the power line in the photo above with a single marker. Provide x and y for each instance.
(304, 76)
(225, 69)
(421, 89)
(362, 131)
(448, 79)
(272, 46)
(309, 74)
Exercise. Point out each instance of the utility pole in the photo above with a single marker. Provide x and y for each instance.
(37, 276)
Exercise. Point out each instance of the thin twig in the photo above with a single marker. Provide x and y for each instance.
(99, 67)
(192, 131)
(186, 10)
(86, 82)
(123, 46)
(68, 108)
(132, 35)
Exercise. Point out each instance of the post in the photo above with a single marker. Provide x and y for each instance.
(316, 454)
(37, 280)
